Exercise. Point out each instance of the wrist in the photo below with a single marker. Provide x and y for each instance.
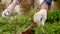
(43, 10)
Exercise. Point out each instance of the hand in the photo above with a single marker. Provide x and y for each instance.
(40, 17)
(6, 13)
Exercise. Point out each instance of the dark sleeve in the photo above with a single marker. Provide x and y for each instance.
(48, 2)
(54, 0)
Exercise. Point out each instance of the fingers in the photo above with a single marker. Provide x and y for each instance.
(44, 17)
(3, 14)
(40, 17)
(43, 20)
(37, 19)
(6, 13)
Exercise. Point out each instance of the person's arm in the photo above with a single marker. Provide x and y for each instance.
(41, 16)
(13, 4)
(7, 12)
(44, 6)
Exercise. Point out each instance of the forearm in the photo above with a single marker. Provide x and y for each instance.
(13, 4)
(44, 6)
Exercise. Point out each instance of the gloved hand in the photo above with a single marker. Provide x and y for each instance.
(40, 17)
(6, 13)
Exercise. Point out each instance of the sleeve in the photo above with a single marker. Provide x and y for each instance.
(48, 2)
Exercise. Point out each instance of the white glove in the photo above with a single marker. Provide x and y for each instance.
(40, 17)
(6, 13)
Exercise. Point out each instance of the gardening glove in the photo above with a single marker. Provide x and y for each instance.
(40, 17)
(6, 13)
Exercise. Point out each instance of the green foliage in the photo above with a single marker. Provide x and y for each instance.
(52, 28)
(53, 15)
(7, 24)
